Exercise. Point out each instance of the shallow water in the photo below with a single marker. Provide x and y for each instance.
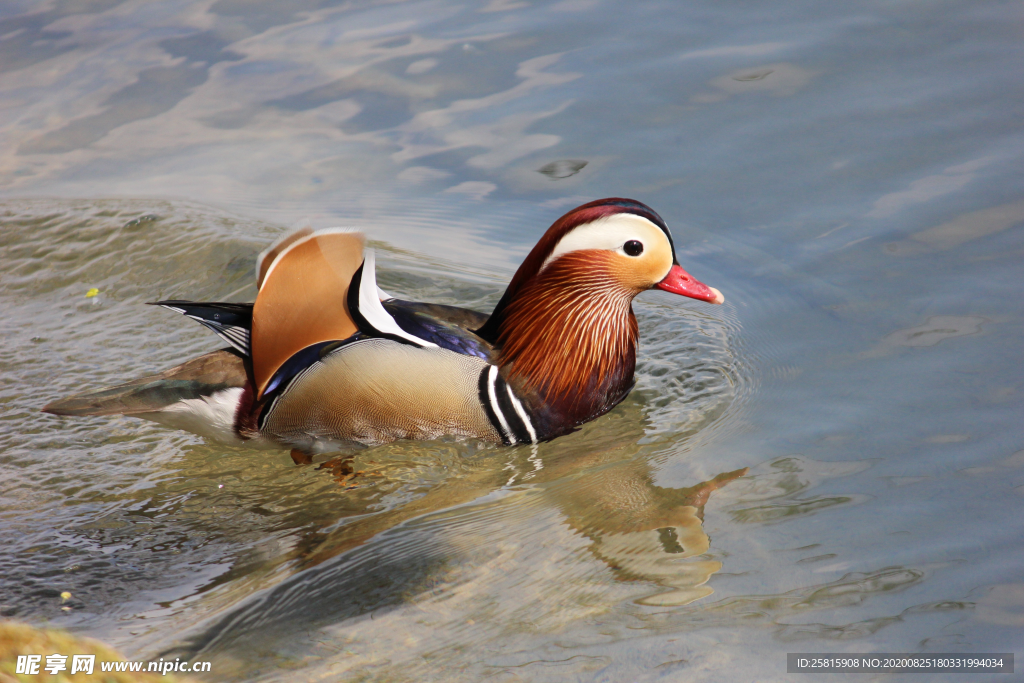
(831, 461)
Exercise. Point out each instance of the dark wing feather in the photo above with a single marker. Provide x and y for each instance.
(231, 322)
(450, 327)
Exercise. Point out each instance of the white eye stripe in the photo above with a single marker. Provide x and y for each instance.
(610, 233)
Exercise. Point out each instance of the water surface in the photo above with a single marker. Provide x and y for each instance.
(831, 461)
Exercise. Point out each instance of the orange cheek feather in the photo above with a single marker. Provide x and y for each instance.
(573, 326)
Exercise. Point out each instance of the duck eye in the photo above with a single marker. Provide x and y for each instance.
(633, 248)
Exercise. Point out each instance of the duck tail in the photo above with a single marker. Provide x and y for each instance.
(196, 379)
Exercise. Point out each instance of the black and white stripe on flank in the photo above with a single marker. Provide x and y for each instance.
(504, 409)
(521, 414)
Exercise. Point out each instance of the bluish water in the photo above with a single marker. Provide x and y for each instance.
(849, 175)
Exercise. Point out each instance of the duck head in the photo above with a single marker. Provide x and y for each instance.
(565, 326)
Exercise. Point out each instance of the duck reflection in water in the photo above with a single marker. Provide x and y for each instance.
(645, 532)
(642, 531)
(601, 482)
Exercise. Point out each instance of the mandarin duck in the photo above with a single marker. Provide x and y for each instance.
(324, 359)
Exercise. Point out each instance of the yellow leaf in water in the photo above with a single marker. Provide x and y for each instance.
(91, 293)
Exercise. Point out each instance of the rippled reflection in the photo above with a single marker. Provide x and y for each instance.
(644, 532)
(640, 531)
